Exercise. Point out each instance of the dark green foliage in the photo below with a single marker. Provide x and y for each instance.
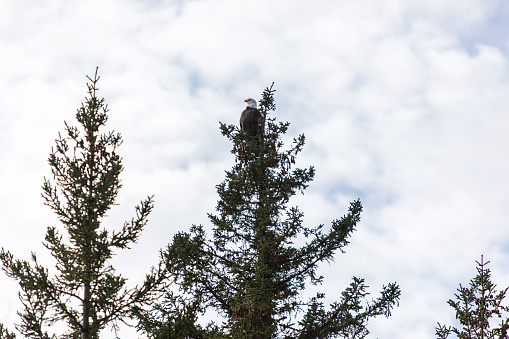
(174, 318)
(5, 334)
(86, 294)
(251, 272)
(347, 318)
(477, 307)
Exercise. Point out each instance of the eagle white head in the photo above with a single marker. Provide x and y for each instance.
(250, 102)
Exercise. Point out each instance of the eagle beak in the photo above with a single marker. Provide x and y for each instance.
(246, 100)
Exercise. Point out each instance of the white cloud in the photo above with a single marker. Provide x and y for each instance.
(402, 103)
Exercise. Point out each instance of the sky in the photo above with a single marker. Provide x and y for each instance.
(403, 104)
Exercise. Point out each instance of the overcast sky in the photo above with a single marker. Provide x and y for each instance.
(404, 105)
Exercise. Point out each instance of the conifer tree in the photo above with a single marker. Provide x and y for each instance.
(251, 272)
(477, 308)
(85, 293)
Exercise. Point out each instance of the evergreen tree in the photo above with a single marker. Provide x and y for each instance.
(251, 272)
(476, 308)
(85, 293)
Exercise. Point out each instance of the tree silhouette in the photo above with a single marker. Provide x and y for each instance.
(251, 272)
(476, 307)
(86, 293)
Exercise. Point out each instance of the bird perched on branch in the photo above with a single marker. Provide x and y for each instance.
(249, 118)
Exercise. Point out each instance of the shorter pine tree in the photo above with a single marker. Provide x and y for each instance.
(85, 294)
(476, 308)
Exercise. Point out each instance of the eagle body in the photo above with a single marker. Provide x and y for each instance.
(249, 118)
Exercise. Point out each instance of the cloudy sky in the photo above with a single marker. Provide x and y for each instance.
(404, 105)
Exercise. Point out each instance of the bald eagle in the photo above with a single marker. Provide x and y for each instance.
(249, 119)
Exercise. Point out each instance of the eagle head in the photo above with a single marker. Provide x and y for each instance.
(250, 102)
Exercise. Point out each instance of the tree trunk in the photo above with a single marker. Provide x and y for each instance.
(86, 316)
(87, 236)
